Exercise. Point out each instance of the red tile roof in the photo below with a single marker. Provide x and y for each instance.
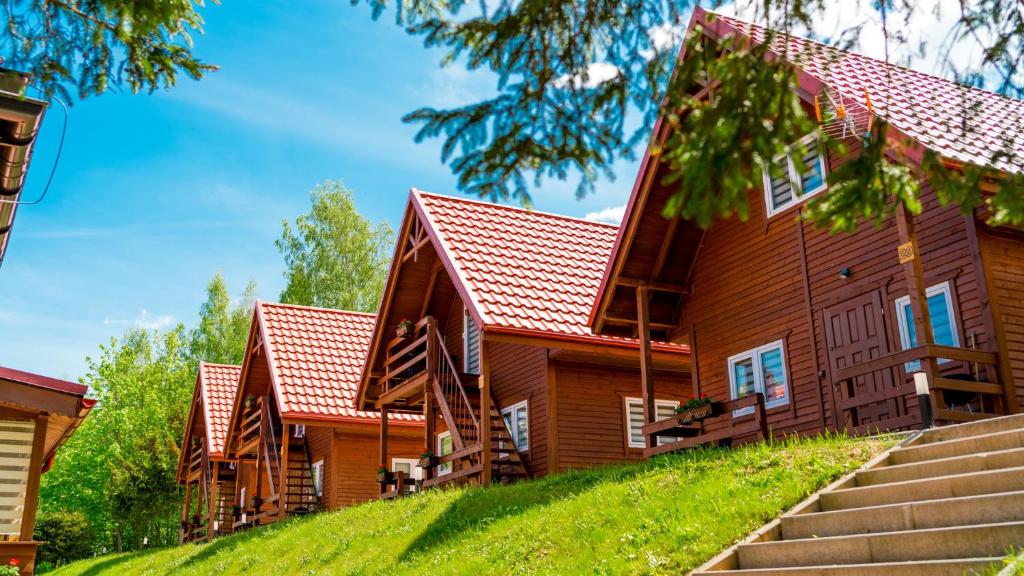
(958, 122)
(218, 384)
(524, 270)
(39, 381)
(316, 357)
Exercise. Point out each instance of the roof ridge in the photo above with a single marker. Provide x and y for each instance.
(513, 208)
(726, 17)
(317, 308)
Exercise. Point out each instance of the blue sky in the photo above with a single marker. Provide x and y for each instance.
(156, 193)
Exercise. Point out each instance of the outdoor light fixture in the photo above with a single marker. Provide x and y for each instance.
(924, 398)
(844, 273)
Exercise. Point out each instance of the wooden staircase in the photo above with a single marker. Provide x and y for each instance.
(298, 495)
(949, 501)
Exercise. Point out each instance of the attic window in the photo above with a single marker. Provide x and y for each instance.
(791, 179)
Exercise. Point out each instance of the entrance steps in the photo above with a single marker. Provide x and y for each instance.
(947, 501)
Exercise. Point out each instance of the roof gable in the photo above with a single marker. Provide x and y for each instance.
(218, 384)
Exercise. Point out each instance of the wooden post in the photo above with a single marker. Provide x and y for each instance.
(646, 363)
(694, 366)
(917, 292)
(485, 414)
(211, 532)
(259, 468)
(553, 458)
(429, 416)
(282, 487)
(384, 443)
(185, 506)
(35, 470)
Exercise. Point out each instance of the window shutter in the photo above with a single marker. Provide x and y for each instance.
(636, 423)
(471, 335)
(782, 186)
(16, 447)
(812, 176)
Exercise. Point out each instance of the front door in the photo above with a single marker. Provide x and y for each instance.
(854, 333)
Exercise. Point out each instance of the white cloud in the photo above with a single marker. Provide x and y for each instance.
(597, 73)
(144, 320)
(665, 36)
(611, 214)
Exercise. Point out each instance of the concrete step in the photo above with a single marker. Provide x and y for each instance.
(1011, 458)
(957, 567)
(981, 541)
(995, 441)
(955, 486)
(942, 513)
(977, 428)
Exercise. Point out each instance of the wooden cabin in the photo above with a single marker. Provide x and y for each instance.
(20, 119)
(296, 439)
(208, 476)
(482, 332)
(37, 415)
(829, 329)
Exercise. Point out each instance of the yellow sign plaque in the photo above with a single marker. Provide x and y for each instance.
(906, 252)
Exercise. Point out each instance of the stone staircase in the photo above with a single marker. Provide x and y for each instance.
(949, 501)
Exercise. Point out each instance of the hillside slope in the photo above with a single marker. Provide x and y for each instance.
(664, 516)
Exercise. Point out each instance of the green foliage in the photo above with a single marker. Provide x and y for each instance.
(569, 72)
(92, 45)
(9, 570)
(664, 516)
(66, 536)
(335, 257)
(118, 469)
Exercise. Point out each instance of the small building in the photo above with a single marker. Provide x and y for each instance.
(20, 119)
(208, 476)
(827, 330)
(37, 415)
(483, 332)
(296, 439)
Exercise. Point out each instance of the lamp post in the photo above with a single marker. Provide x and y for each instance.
(924, 399)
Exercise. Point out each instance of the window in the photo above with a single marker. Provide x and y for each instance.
(790, 179)
(300, 430)
(635, 420)
(444, 446)
(16, 439)
(759, 370)
(318, 477)
(470, 344)
(517, 420)
(940, 310)
(410, 466)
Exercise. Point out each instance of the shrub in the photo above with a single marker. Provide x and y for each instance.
(65, 536)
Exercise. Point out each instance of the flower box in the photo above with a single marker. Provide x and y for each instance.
(696, 410)
(404, 328)
(428, 461)
(385, 476)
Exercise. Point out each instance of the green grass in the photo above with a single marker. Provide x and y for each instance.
(664, 516)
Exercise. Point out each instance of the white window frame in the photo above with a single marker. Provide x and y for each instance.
(467, 322)
(755, 354)
(317, 471)
(445, 468)
(415, 472)
(902, 302)
(300, 431)
(796, 185)
(514, 430)
(633, 401)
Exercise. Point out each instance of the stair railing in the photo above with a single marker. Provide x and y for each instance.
(451, 394)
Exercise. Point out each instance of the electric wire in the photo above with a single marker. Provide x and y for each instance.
(56, 160)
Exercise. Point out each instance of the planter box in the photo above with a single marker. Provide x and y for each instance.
(403, 330)
(697, 414)
(428, 461)
(385, 477)
(23, 552)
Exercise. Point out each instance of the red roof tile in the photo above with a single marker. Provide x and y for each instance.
(524, 270)
(958, 122)
(218, 384)
(316, 356)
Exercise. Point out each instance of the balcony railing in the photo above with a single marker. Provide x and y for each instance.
(737, 421)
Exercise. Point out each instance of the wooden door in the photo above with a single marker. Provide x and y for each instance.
(854, 333)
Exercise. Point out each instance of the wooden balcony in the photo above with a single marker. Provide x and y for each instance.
(878, 394)
(250, 435)
(737, 421)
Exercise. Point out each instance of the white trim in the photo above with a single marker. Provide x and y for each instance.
(632, 400)
(415, 472)
(446, 468)
(514, 430)
(902, 302)
(754, 355)
(795, 181)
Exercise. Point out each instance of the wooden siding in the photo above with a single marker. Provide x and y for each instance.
(320, 444)
(591, 412)
(520, 373)
(1004, 257)
(356, 455)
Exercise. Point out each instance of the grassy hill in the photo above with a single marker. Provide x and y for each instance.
(664, 516)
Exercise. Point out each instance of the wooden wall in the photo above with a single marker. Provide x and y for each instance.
(1004, 257)
(520, 373)
(591, 411)
(354, 466)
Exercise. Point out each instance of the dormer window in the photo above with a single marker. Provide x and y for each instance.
(792, 178)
